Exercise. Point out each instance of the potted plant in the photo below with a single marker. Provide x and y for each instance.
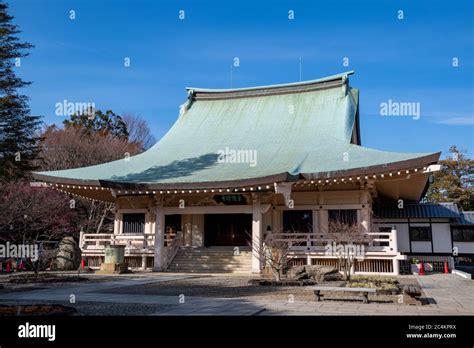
(414, 265)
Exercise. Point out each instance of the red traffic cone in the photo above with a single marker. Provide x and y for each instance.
(8, 267)
(446, 268)
(82, 264)
(422, 271)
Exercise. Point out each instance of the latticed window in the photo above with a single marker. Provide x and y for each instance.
(134, 223)
(344, 216)
(463, 234)
(420, 234)
(300, 221)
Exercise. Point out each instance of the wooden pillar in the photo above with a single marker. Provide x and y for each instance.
(117, 220)
(276, 225)
(365, 224)
(187, 229)
(197, 229)
(322, 215)
(159, 237)
(365, 220)
(394, 246)
(315, 217)
(256, 234)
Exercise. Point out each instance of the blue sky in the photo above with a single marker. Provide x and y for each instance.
(408, 60)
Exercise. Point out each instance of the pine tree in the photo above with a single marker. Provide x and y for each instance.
(106, 123)
(18, 129)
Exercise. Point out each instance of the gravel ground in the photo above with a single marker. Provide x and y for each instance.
(60, 279)
(235, 287)
(99, 309)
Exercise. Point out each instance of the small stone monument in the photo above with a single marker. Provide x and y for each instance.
(114, 262)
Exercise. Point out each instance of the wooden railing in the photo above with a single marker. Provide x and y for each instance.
(172, 248)
(135, 244)
(374, 242)
(142, 243)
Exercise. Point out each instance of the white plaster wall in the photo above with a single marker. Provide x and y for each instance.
(421, 247)
(403, 237)
(465, 247)
(441, 234)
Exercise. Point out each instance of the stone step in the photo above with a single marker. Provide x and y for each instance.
(213, 259)
(224, 256)
(230, 253)
(208, 266)
(177, 268)
(236, 262)
(209, 271)
(206, 257)
(216, 263)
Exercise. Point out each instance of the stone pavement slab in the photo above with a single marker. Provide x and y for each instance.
(451, 295)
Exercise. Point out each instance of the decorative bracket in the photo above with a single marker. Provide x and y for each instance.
(284, 188)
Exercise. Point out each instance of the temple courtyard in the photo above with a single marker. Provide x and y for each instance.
(191, 294)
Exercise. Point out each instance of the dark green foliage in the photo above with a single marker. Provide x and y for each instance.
(108, 123)
(454, 182)
(18, 129)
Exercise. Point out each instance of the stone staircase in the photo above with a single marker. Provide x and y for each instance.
(212, 260)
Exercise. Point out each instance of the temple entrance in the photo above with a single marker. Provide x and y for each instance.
(227, 229)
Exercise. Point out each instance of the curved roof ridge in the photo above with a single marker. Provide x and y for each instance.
(276, 86)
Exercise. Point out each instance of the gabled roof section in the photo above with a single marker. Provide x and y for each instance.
(296, 130)
(465, 218)
(421, 211)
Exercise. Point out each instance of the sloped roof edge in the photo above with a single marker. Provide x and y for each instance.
(293, 87)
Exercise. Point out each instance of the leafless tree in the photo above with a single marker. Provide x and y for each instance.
(72, 147)
(138, 131)
(348, 244)
(275, 253)
(30, 213)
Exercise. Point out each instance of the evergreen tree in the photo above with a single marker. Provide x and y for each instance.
(18, 140)
(96, 121)
(455, 181)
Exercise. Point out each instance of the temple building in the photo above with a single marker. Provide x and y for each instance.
(240, 164)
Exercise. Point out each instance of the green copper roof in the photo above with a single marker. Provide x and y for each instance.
(296, 129)
(293, 84)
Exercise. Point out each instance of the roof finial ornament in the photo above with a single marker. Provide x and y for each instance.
(345, 80)
(300, 69)
(187, 104)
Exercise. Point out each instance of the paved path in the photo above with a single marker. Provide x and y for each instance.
(452, 295)
(449, 291)
(449, 295)
(186, 305)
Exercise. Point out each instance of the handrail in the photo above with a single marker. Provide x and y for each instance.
(99, 241)
(317, 241)
(173, 248)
